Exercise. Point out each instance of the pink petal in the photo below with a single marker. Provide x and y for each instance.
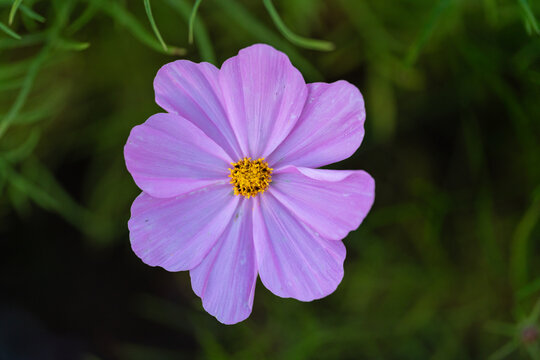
(225, 279)
(331, 202)
(192, 91)
(264, 96)
(168, 156)
(177, 233)
(330, 128)
(293, 261)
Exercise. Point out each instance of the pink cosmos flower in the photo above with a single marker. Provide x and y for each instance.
(230, 185)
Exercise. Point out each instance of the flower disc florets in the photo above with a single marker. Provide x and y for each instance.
(250, 177)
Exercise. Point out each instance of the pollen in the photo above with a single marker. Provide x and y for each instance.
(250, 177)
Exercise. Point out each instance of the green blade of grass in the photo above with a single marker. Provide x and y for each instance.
(148, 10)
(32, 14)
(13, 10)
(301, 41)
(192, 17)
(10, 32)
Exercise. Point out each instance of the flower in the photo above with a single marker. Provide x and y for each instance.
(230, 185)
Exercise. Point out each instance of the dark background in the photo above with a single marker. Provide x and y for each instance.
(446, 265)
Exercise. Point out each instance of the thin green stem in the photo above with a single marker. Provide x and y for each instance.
(153, 24)
(307, 43)
(10, 32)
(13, 10)
(32, 14)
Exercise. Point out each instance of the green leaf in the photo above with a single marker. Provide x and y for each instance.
(83, 19)
(492, 12)
(530, 19)
(11, 85)
(34, 68)
(153, 24)
(25, 90)
(13, 10)
(25, 149)
(307, 43)
(535, 313)
(32, 14)
(501, 328)
(534, 351)
(40, 185)
(120, 14)
(8, 31)
(48, 108)
(27, 40)
(72, 45)
(426, 32)
(201, 35)
(3, 182)
(520, 245)
(504, 351)
(529, 289)
(192, 17)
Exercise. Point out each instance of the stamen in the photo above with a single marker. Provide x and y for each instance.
(250, 177)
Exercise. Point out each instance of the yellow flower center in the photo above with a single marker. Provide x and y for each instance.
(250, 177)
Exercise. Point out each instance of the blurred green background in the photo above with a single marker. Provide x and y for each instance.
(446, 265)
